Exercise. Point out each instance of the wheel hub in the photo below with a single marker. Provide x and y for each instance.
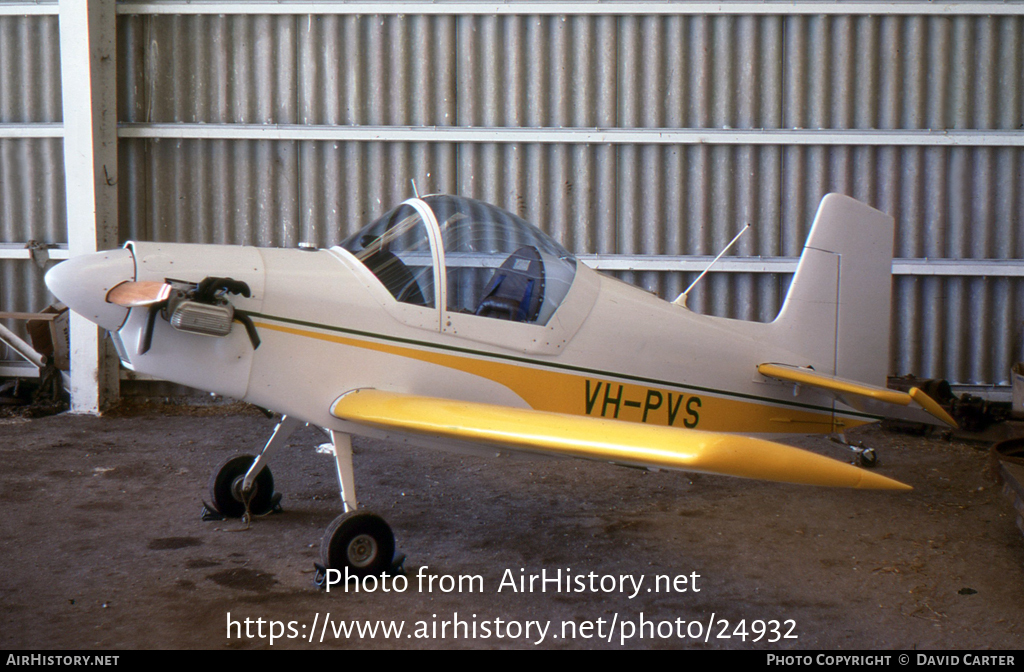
(238, 493)
(362, 550)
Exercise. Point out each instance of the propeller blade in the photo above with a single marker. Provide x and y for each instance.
(146, 337)
(145, 293)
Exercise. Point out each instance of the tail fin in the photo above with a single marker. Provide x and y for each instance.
(836, 314)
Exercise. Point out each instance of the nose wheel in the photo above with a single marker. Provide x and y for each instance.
(246, 481)
(230, 497)
(360, 542)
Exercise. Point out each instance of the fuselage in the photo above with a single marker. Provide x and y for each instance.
(328, 326)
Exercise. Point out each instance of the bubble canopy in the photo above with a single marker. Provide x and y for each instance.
(495, 264)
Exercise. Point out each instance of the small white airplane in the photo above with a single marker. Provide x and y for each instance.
(451, 323)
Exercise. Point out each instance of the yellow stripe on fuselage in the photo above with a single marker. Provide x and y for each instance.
(561, 392)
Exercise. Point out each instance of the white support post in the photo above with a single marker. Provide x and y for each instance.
(89, 92)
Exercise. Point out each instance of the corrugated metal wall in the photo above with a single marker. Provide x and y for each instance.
(578, 72)
(31, 168)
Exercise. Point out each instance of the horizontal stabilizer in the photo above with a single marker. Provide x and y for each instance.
(848, 391)
(606, 440)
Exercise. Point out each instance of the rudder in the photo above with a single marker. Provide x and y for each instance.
(837, 311)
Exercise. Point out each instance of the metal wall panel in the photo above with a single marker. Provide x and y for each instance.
(838, 72)
(715, 72)
(32, 190)
(31, 169)
(29, 69)
(763, 71)
(939, 72)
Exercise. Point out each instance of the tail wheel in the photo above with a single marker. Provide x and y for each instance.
(226, 488)
(360, 541)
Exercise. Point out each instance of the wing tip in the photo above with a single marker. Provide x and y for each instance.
(872, 481)
(932, 406)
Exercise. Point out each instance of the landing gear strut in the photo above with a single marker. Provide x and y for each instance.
(359, 541)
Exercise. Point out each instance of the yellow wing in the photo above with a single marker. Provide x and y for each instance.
(601, 439)
(848, 390)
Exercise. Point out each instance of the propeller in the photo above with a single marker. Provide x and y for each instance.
(145, 293)
(166, 297)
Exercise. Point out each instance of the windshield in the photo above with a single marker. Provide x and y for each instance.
(396, 248)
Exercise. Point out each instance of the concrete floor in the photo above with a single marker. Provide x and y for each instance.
(103, 547)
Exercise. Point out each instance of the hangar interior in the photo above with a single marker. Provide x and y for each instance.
(640, 135)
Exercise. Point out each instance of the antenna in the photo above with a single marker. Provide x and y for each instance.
(415, 191)
(681, 299)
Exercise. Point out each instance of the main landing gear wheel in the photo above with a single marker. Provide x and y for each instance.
(359, 540)
(226, 489)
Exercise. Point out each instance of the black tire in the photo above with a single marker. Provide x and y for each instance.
(359, 540)
(225, 486)
(868, 458)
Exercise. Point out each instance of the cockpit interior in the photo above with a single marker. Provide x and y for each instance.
(495, 264)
